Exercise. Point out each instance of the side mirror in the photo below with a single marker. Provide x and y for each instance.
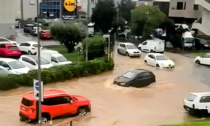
(7, 68)
(71, 101)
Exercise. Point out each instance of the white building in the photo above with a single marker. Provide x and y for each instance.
(203, 23)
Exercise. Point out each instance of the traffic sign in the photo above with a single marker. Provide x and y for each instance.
(36, 90)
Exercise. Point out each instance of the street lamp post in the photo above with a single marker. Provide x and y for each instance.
(88, 16)
(39, 67)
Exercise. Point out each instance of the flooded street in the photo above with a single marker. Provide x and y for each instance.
(159, 103)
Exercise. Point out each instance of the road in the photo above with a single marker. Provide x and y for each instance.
(159, 103)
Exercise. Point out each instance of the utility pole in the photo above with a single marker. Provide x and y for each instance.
(21, 9)
(39, 68)
(87, 34)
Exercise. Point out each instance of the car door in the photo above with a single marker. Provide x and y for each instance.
(122, 48)
(22, 47)
(144, 46)
(143, 79)
(205, 59)
(54, 61)
(69, 105)
(205, 103)
(151, 60)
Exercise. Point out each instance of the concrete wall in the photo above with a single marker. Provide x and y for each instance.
(148, 2)
(7, 17)
(188, 12)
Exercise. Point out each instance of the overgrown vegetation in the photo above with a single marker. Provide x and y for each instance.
(190, 124)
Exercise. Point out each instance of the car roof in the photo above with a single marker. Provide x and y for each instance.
(47, 94)
(200, 93)
(140, 70)
(31, 42)
(30, 56)
(50, 51)
(156, 54)
(126, 43)
(9, 44)
(7, 59)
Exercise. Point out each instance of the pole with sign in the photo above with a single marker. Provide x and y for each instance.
(37, 94)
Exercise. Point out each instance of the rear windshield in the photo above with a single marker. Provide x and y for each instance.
(35, 45)
(191, 97)
(12, 47)
(27, 102)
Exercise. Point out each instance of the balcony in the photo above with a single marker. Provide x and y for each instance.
(203, 3)
(201, 28)
(184, 13)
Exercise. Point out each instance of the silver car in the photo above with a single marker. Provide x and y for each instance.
(128, 49)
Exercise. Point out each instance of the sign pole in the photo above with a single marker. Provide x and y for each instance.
(39, 68)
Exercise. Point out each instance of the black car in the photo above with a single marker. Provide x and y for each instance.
(28, 27)
(135, 78)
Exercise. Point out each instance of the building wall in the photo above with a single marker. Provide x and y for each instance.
(7, 17)
(187, 11)
(206, 18)
(163, 6)
(148, 2)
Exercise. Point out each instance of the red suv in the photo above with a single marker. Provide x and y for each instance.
(45, 34)
(7, 50)
(56, 104)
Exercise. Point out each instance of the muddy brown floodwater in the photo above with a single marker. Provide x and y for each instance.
(159, 103)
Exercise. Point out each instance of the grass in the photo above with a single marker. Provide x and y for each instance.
(191, 124)
(199, 53)
(74, 56)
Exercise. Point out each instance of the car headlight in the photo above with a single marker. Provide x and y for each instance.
(122, 83)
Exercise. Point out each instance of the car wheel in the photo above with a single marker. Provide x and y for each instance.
(157, 66)
(118, 51)
(22, 119)
(197, 61)
(29, 52)
(145, 61)
(45, 118)
(127, 54)
(140, 48)
(82, 111)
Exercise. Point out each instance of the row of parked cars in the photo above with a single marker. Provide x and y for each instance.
(26, 53)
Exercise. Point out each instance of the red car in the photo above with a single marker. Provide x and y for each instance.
(45, 34)
(8, 50)
(56, 104)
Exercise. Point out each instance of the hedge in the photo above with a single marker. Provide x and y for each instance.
(57, 73)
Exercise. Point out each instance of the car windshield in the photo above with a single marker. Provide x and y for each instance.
(131, 46)
(191, 97)
(35, 45)
(61, 59)
(43, 61)
(3, 40)
(16, 65)
(12, 47)
(130, 75)
(161, 57)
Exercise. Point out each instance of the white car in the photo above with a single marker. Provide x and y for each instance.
(29, 47)
(13, 66)
(31, 62)
(197, 103)
(154, 45)
(128, 49)
(205, 59)
(158, 60)
(2, 39)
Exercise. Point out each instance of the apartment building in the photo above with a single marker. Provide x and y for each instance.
(202, 24)
(184, 10)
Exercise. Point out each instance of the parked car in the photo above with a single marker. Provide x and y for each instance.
(5, 40)
(34, 31)
(7, 50)
(201, 43)
(13, 66)
(31, 62)
(205, 59)
(197, 103)
(45, 34)
(54, 57)
(29, 47)
(128, 49)
(159, 60)
(154, 45)
(56, 103)
(135, 78)
(28, 27)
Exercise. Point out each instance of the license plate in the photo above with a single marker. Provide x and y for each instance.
(14, 51)
(23, 109)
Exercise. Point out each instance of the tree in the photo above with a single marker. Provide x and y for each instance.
(68, 33)
(145, 18)
(103, 15)
(125, 7)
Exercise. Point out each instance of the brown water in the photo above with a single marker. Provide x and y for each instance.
(159, 103)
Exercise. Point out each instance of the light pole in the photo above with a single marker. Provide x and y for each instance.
(88, 16)
(39, 67)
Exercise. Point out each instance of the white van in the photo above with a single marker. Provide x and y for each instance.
(154, 45)
(188, 40)
(197, 103)
(54, 57)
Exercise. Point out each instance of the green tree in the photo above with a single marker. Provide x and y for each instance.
(103, 15)
(68, 33)
(95, 46)
(145, 18)
(125, 7)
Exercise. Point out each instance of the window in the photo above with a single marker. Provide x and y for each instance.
(145, 43)
(43, 61)
(16, 64)
(180, 6)
(31, 62)
(195, 7)
(205, 99)
(23, 44)
(3, 40)
(25, 59)
(12, 47)
(56, 101)
(27, 102)
(191, 97)
(61, 59)
(27, 44)
(144, 75)
(122, 45)
(206, 56)
(151, 56)
(161, 57)
(5, 65)
(131, 47)
(53, 59)
(130, 75)
(2, 46)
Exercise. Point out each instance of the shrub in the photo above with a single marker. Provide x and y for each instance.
(58, 73)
